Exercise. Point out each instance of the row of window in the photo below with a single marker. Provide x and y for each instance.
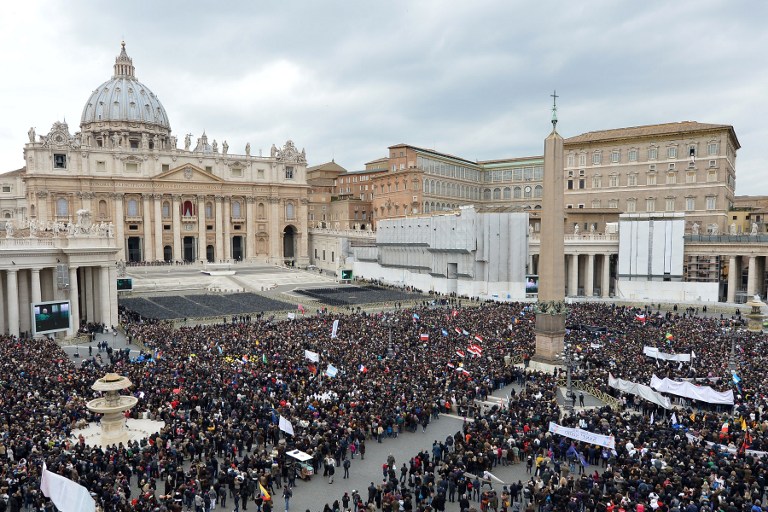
(670, 204)
(652, 153)
(614, 180)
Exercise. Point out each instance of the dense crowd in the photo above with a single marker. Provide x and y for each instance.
(221, 389)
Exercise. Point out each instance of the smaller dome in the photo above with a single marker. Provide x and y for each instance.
(124, 98)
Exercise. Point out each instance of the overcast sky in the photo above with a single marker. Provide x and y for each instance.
(345, 80)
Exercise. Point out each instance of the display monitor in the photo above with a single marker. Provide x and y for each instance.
(124, 283)
(346, 275)
(51, 316)
(531, 284)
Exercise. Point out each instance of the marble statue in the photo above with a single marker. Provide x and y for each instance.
(31, 134)
(110, 230)
(115, 140)
(715, 229)
(754, 229)
(732, 229)
(576, 229)
(144, 141)
(215, 146)
(695, 228)
(9, 228)
(187, 141)
(70, 228)
(592, 228)
(173, 141)
(224, 148)
(55, 227)
(248, 149)
(156, 142)
(273, 151)
(32, 228)
(530, 229)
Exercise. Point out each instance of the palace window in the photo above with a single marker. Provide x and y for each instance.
(615, 156)
(631, 205)
(690, 204)
(650, 204)
(711, 202)
(672, 152)
(596, 158)
(633, 155)
(669, 204)
(62, 207)
(712, 149)
(133, 208)
(288, 172)
(289, 214)
(237, 212)
(166, 209)
(653, 153)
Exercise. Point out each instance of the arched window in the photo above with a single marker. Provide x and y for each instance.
(538, 190)
(289, 211)
(518, 192)
(236, 210)
(133, 208)
(507, 193)
(166, 209)
(261, 210)
(102, 209)
(62, 207)
(188, 209)
(487, 194)
(496, 193)
(432, 187)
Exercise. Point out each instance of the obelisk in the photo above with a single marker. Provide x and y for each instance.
(550, 310)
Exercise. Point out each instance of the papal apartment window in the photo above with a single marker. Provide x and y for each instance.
(615, 157)
(712, 149)
(6, 188)
(711, 176)
(672, 152)
(59, 161)
(613, 203)
(631, 205)
(614, 181)
(633, 155)
(690, 177)
(690, 204)
(632, 180)
(597, 181)
(582, 183)
(596, 158)
(672, 178)
(670, 204)
(711, 202)
(651, 179)
(650, 204)
(595, 203)
(289, 172)
(653, 153)
(582, 159)
(571, 160)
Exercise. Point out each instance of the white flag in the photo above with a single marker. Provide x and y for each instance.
(291, 316)
(68, 496)
(335, 328)
(651, 417)
(286, 426)
(674, 419)
(312, 356)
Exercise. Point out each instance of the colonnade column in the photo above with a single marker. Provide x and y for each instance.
(573, 275)
(177, 227)
(218, 225)
(158, 226)
(752, 276)
(74, 297)
(112, 298)
(120, 227)
(12, 297)
(105, 317)
(88, 292)
(35, 293)
(250, 229)
(227, 228)
(589, 278)
(732, 279)
(605, 283)
(147, 252)
(201, 228)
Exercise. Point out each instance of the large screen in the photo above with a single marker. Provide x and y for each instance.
(124, 283)
(52, 316)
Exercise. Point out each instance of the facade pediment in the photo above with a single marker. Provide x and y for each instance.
(190, 173)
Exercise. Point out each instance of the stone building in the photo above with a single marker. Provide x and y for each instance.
(201, 202)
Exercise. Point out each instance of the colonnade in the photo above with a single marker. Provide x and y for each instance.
(90, 289)
(586, 274)
(755, 278)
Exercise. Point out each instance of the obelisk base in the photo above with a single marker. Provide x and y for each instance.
(550, 334)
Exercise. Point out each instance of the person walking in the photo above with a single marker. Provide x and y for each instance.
(346, 465)
(287, 495)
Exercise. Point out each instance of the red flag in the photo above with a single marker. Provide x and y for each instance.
(478, 338)
(460, 353)
(454, 313)
(424, 336)
(301, 308)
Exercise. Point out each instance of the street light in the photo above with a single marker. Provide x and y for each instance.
(570, 360)
(390, 348)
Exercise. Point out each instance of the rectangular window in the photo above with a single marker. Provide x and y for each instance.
(711, 176)
(208, 168)
(323, 254)
(651, 180)
(670, 204)
(59, 161)
(596, 158)
(632, 180)
(518, 174)
(712, 163)
(166, 167)
(615, 157)
(595, 203)
(101, 165)
(711, 202)
(131, 167)
(613, 203)
(571, 160)
(631, 205)
(528, 173)
(582, 160)
(672, 152)
(597, 182)
(237, 173)
(690, 177)
(650, 204)
(614, 180)
(6, 188)
(288, 172)
(672, 178)
(633, 155)
(333, 255)
(570, 184)
(653, 153)
(712, 149)
(671, 167)
(690, 204)
(260, 174)
(582, 183)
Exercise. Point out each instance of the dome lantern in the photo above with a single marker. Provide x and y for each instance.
(124, 65)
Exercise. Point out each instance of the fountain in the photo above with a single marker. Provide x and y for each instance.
(755, 317)
(113, 406)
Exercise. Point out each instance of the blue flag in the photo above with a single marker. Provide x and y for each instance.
(445, 333)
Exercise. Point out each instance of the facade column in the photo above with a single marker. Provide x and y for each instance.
(147, 251)
(158, 226)
(732, 279)
(250, 229)
(275, 251)
(201, 228)
(605, 282)
(12, 297)
(589, 278)
(176, 227)
(120, 227)
(114, 319)
(3, 318)
(227, 228)
(104, 301)
(573, 275)
(35, 292)
(219, 225)
(752, 277)
(74, 300)
(42, 207)
(88, 293)
(302, 258)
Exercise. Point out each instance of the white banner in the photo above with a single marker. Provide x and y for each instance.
(722, 447)
(582, 435)
(312, 356)
(331, 371)
(688, 390)
(640, 390)
(68, 496)
(656, 354)
(335, 328)
(285, 425)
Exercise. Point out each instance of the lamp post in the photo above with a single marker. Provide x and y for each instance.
(571, 361)
(390, 347)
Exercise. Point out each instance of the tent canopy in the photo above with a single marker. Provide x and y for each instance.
(299, 455)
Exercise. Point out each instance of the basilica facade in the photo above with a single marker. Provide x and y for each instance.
(199, 202)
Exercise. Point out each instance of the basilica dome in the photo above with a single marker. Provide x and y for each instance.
(123, 99)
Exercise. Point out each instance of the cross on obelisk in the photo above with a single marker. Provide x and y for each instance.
(550, 310)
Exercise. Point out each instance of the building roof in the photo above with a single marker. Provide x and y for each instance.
(11, 174)
(651, 130)
(433, 152)
(327, 166)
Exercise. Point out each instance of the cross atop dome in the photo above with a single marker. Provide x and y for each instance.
(124, 64)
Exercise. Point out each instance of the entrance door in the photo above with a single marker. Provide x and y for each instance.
(237, 248)
(134, 248)
(167, 253)
(189, 248)
(289, 243)
(209, 254)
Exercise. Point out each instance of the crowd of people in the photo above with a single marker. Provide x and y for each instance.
(222, 389)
